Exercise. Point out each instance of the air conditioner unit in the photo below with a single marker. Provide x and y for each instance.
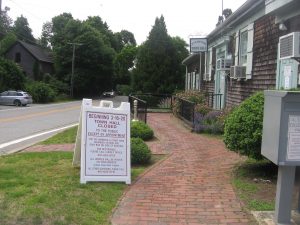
(238, 72)
(223, 64)
(289, 46)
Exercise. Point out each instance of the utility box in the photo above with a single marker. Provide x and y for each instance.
(281, 128)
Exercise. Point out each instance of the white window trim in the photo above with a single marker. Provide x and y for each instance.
(237, 43)
(249, 63)
(242, 31)
(208, 64)
(250, 51)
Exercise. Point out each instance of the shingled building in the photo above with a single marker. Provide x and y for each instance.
(33, 59)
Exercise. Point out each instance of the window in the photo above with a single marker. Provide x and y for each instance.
(243, 48)
(209, 56)
(207, 65)
(12, 93)
(18, 57)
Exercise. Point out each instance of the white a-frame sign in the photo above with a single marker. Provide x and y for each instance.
(104, 142)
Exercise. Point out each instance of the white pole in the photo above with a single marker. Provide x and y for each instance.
(200, 67)
(135, 106)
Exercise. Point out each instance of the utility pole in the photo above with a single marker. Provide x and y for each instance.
(222, 8)
(73, 66)
(0, 7)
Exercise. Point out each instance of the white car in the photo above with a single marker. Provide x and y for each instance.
(108, 94)
(17, 98)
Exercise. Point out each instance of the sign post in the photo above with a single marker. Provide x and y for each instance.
(198, 45)
(105, 143)
(281, 145)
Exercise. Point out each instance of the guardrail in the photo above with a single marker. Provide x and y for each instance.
(156, 101)
(214, 100)
(186, 110)
(141, 108)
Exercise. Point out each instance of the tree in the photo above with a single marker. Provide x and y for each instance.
(11, 76)
(102, 27)
(7, 41)
(220, 20)
(5, 23)
(158, 67)
(22, 30)
(45, 39)
(125, 38)
(94, 63)
(93, 57)
(227, 13)
(181, 53)
(123, 62)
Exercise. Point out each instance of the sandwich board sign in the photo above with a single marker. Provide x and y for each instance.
(104, 142)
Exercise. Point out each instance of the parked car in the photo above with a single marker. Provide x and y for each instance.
(108, 94)
(17, 98)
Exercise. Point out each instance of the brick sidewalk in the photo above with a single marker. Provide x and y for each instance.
(192, 186)
(50, 148)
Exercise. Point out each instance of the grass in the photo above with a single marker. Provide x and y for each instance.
(255, 184)
(44, 188)
(66, 137)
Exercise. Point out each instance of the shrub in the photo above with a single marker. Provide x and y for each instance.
(123, 89)
(140, 153)
(141, 130)
(203, 109)
(165, 103)
(41, 92)
(11, 76)
(243, 127)
(194, 96)
(209, 123)
(57, 85)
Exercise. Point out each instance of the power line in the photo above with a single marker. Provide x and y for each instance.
(18, 5)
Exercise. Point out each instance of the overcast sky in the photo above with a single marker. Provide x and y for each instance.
(185, 18)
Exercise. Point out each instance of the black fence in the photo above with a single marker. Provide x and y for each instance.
(214, 100)
(185, 110)
(156, 101)
(141, 108)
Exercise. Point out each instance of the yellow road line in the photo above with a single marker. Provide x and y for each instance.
(13, 119)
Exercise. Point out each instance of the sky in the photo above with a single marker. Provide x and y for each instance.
(185, 18)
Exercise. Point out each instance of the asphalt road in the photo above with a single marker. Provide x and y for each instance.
(21, 127)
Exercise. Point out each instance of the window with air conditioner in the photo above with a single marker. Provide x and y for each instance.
(242, 68)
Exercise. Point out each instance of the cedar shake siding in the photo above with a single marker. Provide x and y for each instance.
(266, 37)
(208, 86)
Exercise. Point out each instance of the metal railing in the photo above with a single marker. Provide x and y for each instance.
(186, 110)
(156, 101)
(141, 108)
(214, 100)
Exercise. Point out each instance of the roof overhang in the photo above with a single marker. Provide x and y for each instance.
(190, 59)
